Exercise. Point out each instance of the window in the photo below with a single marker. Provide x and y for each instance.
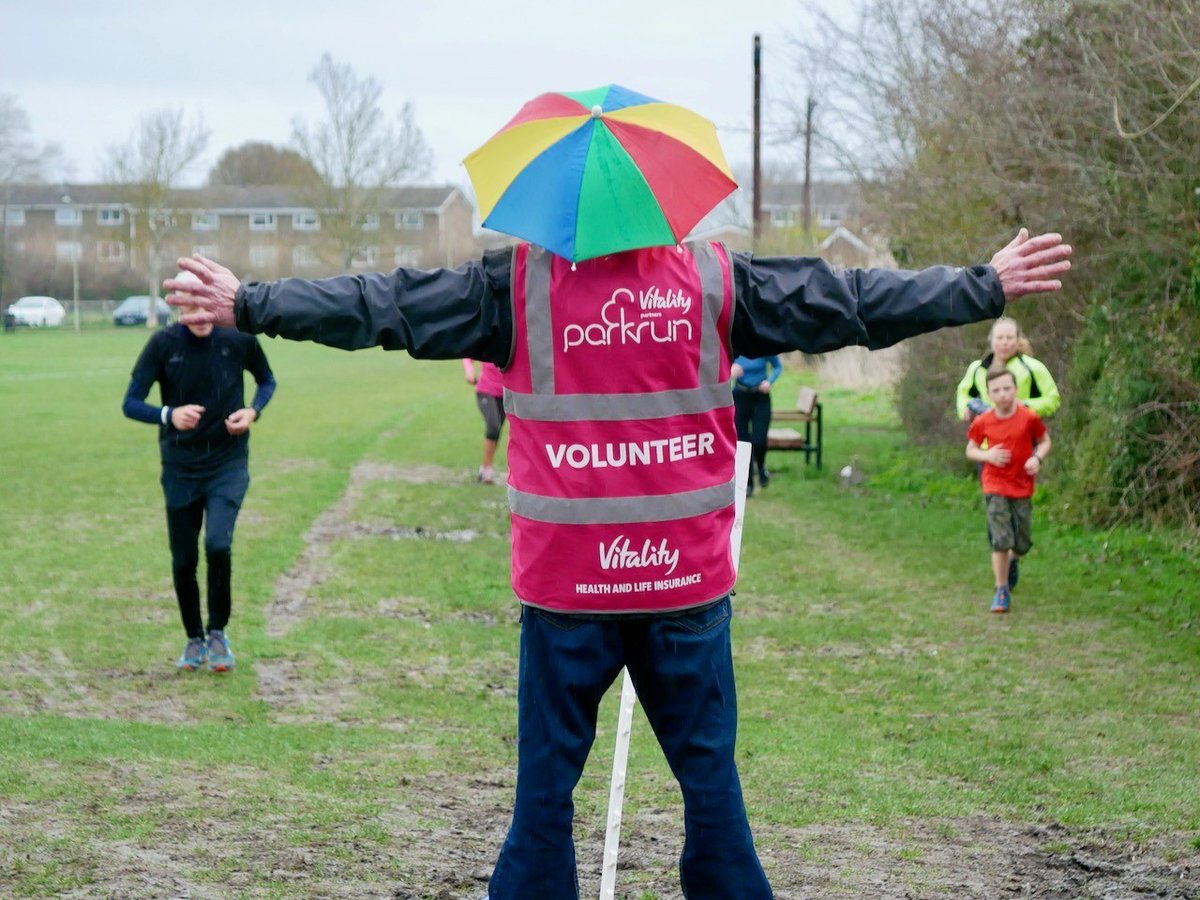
(14, 216)
(369, 221)
(407, 256)
(162, 220)
(68, 251)
(68, 215)
(262, 221)
(783, 218)
(410, 220)
(205, 221)
(209, 250)
(111, 216)
(306, 221)
(304, 258)
(365, 258)
(263, 256)
(829, 217)
(110, 251)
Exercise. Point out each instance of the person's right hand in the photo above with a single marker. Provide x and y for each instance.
(185, 418)
(998, 456)
(471, 379)
(735, 371)
(211, 300)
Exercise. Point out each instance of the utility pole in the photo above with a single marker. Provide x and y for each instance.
(75, 286)
(757, 202)
(808, 170)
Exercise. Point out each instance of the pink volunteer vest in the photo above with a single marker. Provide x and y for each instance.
(622, 440)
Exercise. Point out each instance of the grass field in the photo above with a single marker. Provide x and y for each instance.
(896, 740)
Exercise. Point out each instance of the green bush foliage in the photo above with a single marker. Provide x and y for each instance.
(1081, 117)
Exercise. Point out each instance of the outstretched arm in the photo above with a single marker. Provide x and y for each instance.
(797, 303)
(436, 314)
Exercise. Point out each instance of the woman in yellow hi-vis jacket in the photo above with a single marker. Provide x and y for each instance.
(1035, 385)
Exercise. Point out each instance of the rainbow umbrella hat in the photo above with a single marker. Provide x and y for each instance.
(588, 173)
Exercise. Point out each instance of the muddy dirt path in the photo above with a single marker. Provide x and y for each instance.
(442, 832)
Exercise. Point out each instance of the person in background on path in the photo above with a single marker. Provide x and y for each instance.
(489, 397)
(1035, 385)
(752, 381)
(203, 437)
(1017, 442)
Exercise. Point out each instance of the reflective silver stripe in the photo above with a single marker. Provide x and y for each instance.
(620, 510)
(617, 407)
(713, 287)
(538, 331)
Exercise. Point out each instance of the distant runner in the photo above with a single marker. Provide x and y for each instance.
(489, 397)
(203, 435)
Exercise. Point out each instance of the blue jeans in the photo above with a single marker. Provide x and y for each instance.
(682, 667)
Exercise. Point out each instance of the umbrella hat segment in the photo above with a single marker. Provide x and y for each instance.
(584, 180)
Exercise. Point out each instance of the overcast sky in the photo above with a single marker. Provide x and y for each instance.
(85, 72)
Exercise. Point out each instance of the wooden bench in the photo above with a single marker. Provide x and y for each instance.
(808, 411)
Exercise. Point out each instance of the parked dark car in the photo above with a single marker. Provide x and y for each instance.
(134, 311)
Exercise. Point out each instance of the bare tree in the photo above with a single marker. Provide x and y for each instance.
(146, 169)
(22, 160)
(357, 152)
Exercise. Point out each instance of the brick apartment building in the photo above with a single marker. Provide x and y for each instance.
(260, 232)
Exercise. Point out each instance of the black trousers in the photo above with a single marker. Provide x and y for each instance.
(752, 416)
(492, 410)
(212, 501)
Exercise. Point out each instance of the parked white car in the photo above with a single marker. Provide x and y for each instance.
(38, 311)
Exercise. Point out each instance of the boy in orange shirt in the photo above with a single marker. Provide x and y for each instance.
(1017, 442)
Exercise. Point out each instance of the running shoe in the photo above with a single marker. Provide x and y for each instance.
(1001, 600)
(1014, 572)
(195, 655)
(220, 656)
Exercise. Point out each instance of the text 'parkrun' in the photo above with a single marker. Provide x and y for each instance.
(617, 327)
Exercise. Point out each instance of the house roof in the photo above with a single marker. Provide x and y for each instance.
(844, 234)
(430, 198)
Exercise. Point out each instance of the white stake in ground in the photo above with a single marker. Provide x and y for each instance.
(616, 789)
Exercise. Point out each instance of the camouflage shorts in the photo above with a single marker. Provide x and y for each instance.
(1010, 523)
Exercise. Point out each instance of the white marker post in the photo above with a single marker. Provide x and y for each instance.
(616, 789)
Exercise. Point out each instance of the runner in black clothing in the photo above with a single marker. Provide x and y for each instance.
(204, 441)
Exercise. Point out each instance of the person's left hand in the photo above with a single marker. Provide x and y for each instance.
(239, 422)
(211, 300)
(1031, 265)
(735, 371)
(1033, 465)
(764, 387)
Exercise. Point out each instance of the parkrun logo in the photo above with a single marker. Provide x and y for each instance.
(616, 327)
(620, 555)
